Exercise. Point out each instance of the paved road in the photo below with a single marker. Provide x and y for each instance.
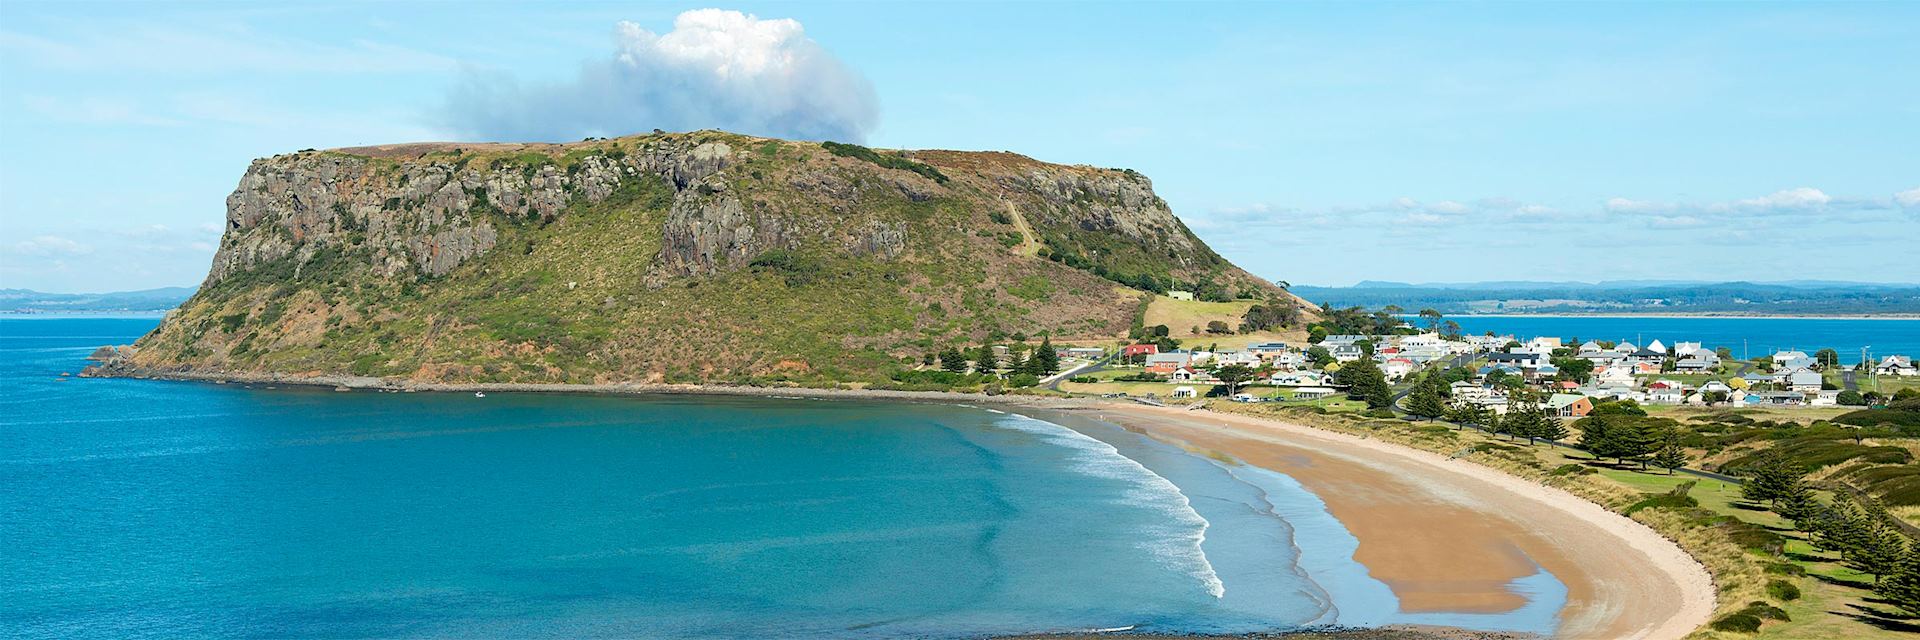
(1100, 365)
(1847, 382)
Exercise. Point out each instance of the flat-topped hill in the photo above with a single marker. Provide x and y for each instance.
(704, 256)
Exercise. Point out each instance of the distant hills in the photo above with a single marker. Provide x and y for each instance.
(144, 300)
(1793, 297)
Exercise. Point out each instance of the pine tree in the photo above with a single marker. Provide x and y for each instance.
(1525, 420)
(1769, 478)
(952, 360)
(1880, 548)
(1902, 588)
(985, 362)
(1049, 360)
(1799, 505)
(1425, 401)
(1671, 455)
(1365, 381)
(1551, 428)
(1594, 435)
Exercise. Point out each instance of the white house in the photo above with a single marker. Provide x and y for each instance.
(1180, 295)
(1804, 380)
(1826, 398)
(1298, 379)
(1545, 343)
(1312, 393)
(1289, 360)
(1243, 358)
(1782, 358)
(1467, 391)
(1896, 366)
(1397, 368)
(1666, 392)
(1656, 346)
(1184, 392)
(1346, 353)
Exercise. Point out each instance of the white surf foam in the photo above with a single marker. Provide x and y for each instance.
(1179, 543)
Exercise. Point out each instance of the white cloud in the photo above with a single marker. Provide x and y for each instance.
(1909, 198)
(1675, 222)
(1800, 199)
(1422, 219)
(51, 245)
(715, 69)
(1624, 205)
(1448, 207)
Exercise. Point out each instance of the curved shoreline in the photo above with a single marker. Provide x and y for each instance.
(1685, 604)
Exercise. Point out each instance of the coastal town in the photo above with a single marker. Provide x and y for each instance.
(1490, 371)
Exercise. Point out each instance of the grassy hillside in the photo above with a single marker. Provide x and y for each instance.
(673, 257)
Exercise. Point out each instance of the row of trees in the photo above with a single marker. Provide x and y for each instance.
(1525, 418)
(1274, 313)
(1629, 438)
(1858, 530)
(1043, 361)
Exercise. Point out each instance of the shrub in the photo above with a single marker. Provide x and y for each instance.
(1664, 501)
(1023, 380)
(1737, 623)
(1786, 569)
(890, 161)
(1765, 611)
(1782, 590)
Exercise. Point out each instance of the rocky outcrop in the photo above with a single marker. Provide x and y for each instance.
(431, 213)
(708, 230)
(673, 256)
(1120, 202)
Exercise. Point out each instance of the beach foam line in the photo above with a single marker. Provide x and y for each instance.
(1179, 545)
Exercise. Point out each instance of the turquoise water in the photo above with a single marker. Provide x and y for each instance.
(1753, 337)
(150, 509)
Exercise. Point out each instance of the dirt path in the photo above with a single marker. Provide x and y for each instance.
(1030, 242)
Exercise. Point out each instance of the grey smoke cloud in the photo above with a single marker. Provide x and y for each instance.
(716, 69)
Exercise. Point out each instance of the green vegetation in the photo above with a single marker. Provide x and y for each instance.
(890, 160)
(818, 288)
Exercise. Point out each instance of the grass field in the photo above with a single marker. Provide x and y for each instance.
(1183, 316)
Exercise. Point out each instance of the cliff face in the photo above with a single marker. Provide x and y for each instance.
(668, 257)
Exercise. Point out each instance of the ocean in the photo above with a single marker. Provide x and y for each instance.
(156, 509)
(1747, 337)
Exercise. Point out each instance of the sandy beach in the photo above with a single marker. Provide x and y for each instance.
(1449, 535)
(1445, 535)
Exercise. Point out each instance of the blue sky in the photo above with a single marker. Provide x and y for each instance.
(1316, 143)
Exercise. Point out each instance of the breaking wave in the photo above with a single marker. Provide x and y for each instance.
(1177, 543)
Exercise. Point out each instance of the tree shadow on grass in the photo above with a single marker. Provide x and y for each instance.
(1863, 585)
(1882, 619)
